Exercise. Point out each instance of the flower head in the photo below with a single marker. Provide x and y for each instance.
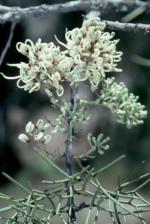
(46, 65)
(93, 52)
(124, 105)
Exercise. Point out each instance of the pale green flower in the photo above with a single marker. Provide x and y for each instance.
(46, 65)
(93, 52)
(124, 105)
(99, 144)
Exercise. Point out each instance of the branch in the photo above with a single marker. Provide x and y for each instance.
(69, 156)
(115, 25)
(17, 13)
(8, 43)
(9, 13)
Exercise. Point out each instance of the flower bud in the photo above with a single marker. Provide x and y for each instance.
(40, 124)
(29, 127)
(39, 136)
(46, 139)
(24, 138)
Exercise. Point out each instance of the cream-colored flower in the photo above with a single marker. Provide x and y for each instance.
(46, 65)
(124, 105)
(93, 52)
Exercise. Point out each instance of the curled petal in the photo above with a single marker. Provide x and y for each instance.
(39, 136)
(17, 65)
(40, 124)
(60, 91)
(61, 43)
(19, 85)
(29, 42)
(48, 92)
(46, 139)
(35, 88)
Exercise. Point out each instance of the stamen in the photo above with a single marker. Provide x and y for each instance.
(9, 77)
(61, 43)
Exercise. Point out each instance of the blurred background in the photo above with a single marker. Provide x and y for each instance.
(18, 107)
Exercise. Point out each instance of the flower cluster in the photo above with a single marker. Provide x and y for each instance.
(79, 114)
(124, 105)
(90, 53)
(98, 144)
(93, 52)
(36, 132)
(46, 65)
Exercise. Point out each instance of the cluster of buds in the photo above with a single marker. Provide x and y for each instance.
(35, 132)
(124, 105)
(98, 144)
(78, 115)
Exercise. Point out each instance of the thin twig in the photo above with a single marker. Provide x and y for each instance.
(113, 199)
(17, 13)
(128, 27)
(116, 211)
(8, 13)
(51, 163)
(8, 43)
(81, 206)
(109, 165)
(16, 182)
